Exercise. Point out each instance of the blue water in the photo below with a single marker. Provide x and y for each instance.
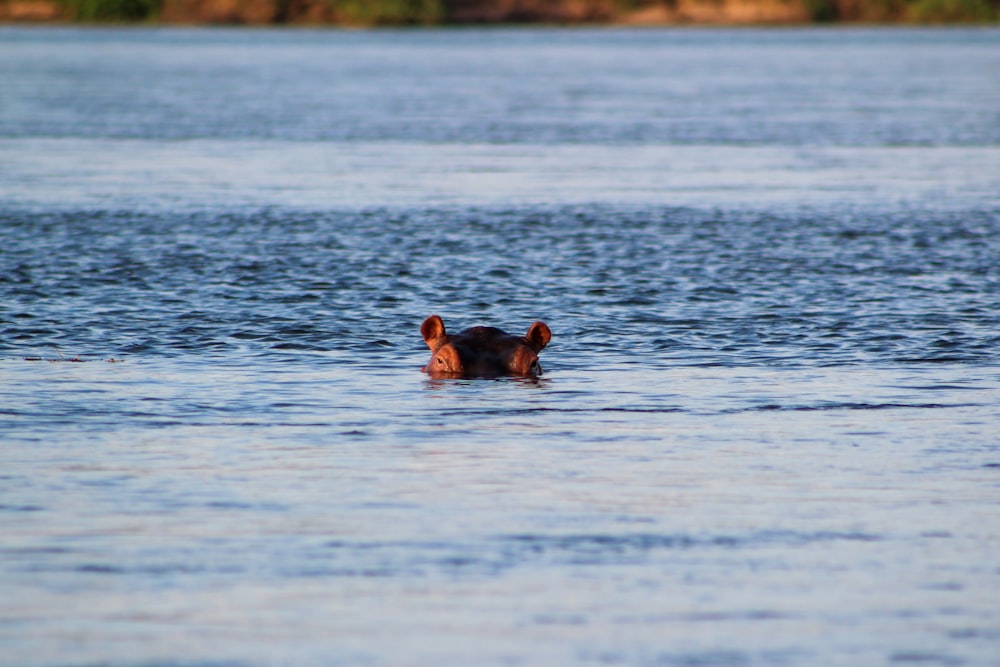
(767, 433)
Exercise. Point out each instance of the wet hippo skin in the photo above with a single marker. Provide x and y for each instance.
(483, 351)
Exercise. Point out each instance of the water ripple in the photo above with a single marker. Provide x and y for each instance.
(671, 286)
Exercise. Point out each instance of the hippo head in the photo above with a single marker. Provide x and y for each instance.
(483, 351)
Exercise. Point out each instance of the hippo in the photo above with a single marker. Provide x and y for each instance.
(483, 351)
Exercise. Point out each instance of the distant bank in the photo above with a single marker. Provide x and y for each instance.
(459, 12)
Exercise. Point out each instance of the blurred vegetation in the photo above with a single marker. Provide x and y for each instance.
(952, 11)
(389, 12)
(436, 12)
(903, 11)
(112, 11)
(821, 11)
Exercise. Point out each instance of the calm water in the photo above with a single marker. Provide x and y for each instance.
(768, 429)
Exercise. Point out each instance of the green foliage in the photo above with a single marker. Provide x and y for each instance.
(822, 11)
(629, 5)
(389, 12)
(950, 11)
(113, 10)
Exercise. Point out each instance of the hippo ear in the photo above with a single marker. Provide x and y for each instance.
(538, 336)
(432, 330)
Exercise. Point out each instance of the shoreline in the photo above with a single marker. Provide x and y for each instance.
(502, 13)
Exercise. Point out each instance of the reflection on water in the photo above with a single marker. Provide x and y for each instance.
(766, 433)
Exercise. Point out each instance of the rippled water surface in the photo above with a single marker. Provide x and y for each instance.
(767, 433)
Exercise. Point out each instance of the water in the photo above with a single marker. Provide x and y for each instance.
(766, 434)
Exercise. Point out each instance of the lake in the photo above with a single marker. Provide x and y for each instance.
(767, 430)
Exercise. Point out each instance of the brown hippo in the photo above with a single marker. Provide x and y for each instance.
(483, 351)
